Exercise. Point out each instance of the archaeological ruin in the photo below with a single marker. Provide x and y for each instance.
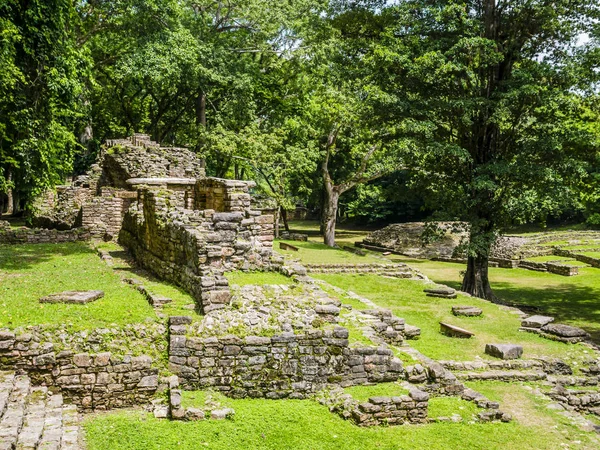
(271, 341)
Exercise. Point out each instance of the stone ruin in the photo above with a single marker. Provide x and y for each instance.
(179, 224)
(407, 239)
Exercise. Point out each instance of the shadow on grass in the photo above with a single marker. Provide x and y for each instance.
(25, 256)
(577, 304)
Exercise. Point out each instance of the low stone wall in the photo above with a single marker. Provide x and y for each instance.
(584, 400)
(24, 235)
(594, 262)
(286, 365)
(90, 381)
(382, 410)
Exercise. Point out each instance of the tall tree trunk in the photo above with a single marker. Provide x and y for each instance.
(201, 109)
(283, 212)
(476, 281)
(10, 202)
(330, 209)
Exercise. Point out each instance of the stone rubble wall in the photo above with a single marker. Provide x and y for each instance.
(103, 214)
(90, 381)
(283, 366)
(383, 410)
(192, 248)
(594, 262)
(139, 157)
(406, 239)
(24, 235)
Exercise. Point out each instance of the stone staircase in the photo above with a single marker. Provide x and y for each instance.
(32, 418)
(389, 270)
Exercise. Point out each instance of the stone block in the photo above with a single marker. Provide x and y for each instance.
(536, 321)
(504, 351)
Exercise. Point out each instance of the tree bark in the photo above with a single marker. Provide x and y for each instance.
(476, 281)
(283, 213)
(201, 109)
(10, 201)
(330, 209)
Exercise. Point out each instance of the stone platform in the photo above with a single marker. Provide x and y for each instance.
(34, 418)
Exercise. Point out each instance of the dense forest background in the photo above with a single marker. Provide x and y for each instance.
(484, 111)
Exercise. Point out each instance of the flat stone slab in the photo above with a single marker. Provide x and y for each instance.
(566, 331)
(440, 292)
(536, 321)
(504, 351)
(465, 310)
(454, 331)
(73, 297)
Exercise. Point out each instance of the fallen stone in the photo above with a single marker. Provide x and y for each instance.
(561, 330)
(504, 351)
(536, 321)
(468, 311)
(194, 414)
(220, 414)
(73, 297)
(444, 292)
(454, 331)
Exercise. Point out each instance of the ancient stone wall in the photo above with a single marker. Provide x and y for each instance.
(91, 381)
(192, 248)
(103, 214)
(408, 239)
(139, 157)
(24, 235)
(286, 365)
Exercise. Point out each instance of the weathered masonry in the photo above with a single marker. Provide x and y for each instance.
(179, 224)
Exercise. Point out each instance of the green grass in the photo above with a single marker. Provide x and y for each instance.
(28, 272)
(197, 399)
(448, 406)
(303, 424)
(571, 300)
(182, 301)
(316, 253)
(363, 393)
(406, 299)
(260, 278)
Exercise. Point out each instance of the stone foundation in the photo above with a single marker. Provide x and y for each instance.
(283, 366)
(24, 235)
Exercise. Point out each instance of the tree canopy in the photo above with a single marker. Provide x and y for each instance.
(482, 111)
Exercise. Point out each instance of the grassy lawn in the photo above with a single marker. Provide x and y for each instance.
(406, 299)
(551, 258)
(571, 300)
(363, 393)
(316, 253)
(123, 266)
(305, 424)
(28, 272)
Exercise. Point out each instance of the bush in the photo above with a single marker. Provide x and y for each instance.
(593, 221)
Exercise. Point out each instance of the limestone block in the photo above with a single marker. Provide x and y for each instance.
(504, 351)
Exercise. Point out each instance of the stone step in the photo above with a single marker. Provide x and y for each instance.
(32, 418)
(33, 424)
(14, 413)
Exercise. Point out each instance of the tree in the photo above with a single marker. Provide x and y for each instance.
(41, 81)
(356, 147)
(492, 93)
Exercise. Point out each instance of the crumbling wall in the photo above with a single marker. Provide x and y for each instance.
(286, 365)
(192, 248)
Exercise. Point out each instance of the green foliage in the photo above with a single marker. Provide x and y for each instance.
(41, 88)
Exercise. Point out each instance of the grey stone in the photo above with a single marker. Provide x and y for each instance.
(469, 311)
(504, 351)
(536, 321)
(561, 330)
(73, 297)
